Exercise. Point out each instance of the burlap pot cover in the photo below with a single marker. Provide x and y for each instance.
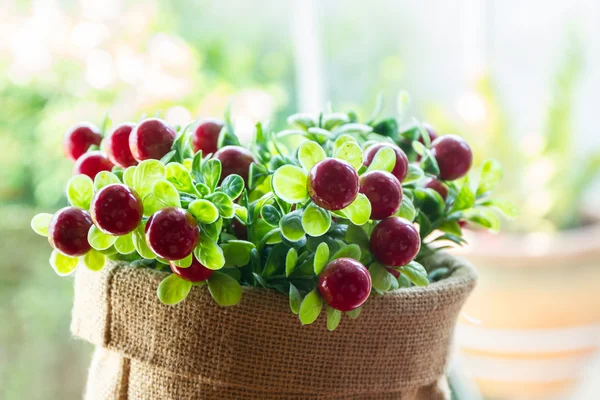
(396, 349)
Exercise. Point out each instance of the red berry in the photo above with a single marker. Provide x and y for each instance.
(151, 139)
(117, 146)
(206, 136)
(437, 186)
(394, 272)
(345, 284)
(400, 169)
(172, 233)
(79, 138)
(395, 242)
(462, 223)
(116, 209)
(68, 231)
(333, 184)
(234, 160)
(91, 163)
(194, 273)
(384, 192)
(453, 156)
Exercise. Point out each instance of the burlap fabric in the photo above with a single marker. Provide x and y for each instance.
(396, 349)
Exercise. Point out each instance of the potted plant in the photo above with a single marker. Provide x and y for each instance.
(326, 220)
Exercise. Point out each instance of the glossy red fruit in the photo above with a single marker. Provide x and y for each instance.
(394, 272)
(117, 148)
(345, 284)
(68, 231)
(206, 135)
(79, 138)
(384, 192)
(234, 160)
(172, 233)
(333, 184)
(151, 139)
(395, 242)
(91, 163)
(437, 186)
(116, 209)
(400, 169)
(194, 273)
(453, 155)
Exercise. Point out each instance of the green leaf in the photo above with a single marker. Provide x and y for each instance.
(105, 178)
(139, 242)
(94, 260)
(351, 251)
(290, 261)
(63, 265)
(237, 252)
(295, 299)
(291, 226)
(357, 235)
(166, 193)
(483, 217)
(343, 139)
(315, 220)
(80, 190)
(233, 186)
(145, 176)
(128, 176)
(380, 277)
(197, 167)
(100, 240)
(124, 244)
(241, 213)
(351, 152)
(184, 262)
(359, 211)
(321, 258)
(416, 273)
(428, 161)
(180, 177)
(414, 174)
(354, 313)
(211, 173)
(224, 289)
(384, 160)
(302, 120)
(491, 175)
(208, 252)
(354, 128)
(223, 203)
(465, 198)
(387, 127)
(332, 120)
(289, 184)
(309, 154)
(407, 209)
(508, 209)
(40, 223)
(333, 318)
(310, 308)
(451, 227)
(270, 215)
(204, 211)
(173, 289)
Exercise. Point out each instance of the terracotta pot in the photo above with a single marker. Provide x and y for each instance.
(533, 323)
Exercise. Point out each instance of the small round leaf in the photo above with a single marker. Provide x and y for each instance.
(204, 211)
(105, 178)
(94, 260)
(309, 154)
(173, 289)
(321, 258)
(359, 211)
(315, 220)
(310, 308)
(40, 223)
(224, 289)
(100, 240)
(350, 151)
(289, 184)
(63, 265)
(124, 244)
(80, 190)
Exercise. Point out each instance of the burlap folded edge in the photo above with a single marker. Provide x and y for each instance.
(93, 315)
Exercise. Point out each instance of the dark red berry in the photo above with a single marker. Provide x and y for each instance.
(333, 184)
(206, 136)
(394, 272)
(384, 192)
(437, 186)
(116, 209)
(453, 155)
(194, 273)
(151, 139)
(345, 284)
(91, 163)
(68, 231)
(395, 242)
(117, 148)
(172, 233)
(234, 160)
(400, 169)
(79, 138)
(462, 223)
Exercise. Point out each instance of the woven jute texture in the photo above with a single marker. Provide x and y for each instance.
(396, 349)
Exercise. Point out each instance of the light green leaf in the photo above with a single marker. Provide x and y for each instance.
(302, 120)
(351, 152)
(295, 299)
(204, 211)
(100, 240)
(128, 176)
(508, 209)
(414, 174)
(359, 211)
(94, 260)
(465, 198)
(407, 209)
(310, 308)
(351, 251)
(139, 242)
(416, 273)
(380, 277)
(333, 318)
(241, 213)
(237, 252)
(173, 289)
(289, 184)
(483, 217)
(184, 262)
(145, 176)
(63, 265)
(208, 252)
(223, 203)
(384, 160)
(233, 186)
(211, 173)
(290, 261)
(357, 235)
(315, 220)
(291, 226)
(354, 128)
(332, 120)
(321, 258)
(40, 223)
(491, 175)
(354, 313)
(309, 154)
(80, 190)
(180, 177)
(343, 139)
(166, 193)
(105, 178)
(151, 204)
(451, 227)
(224, 289)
